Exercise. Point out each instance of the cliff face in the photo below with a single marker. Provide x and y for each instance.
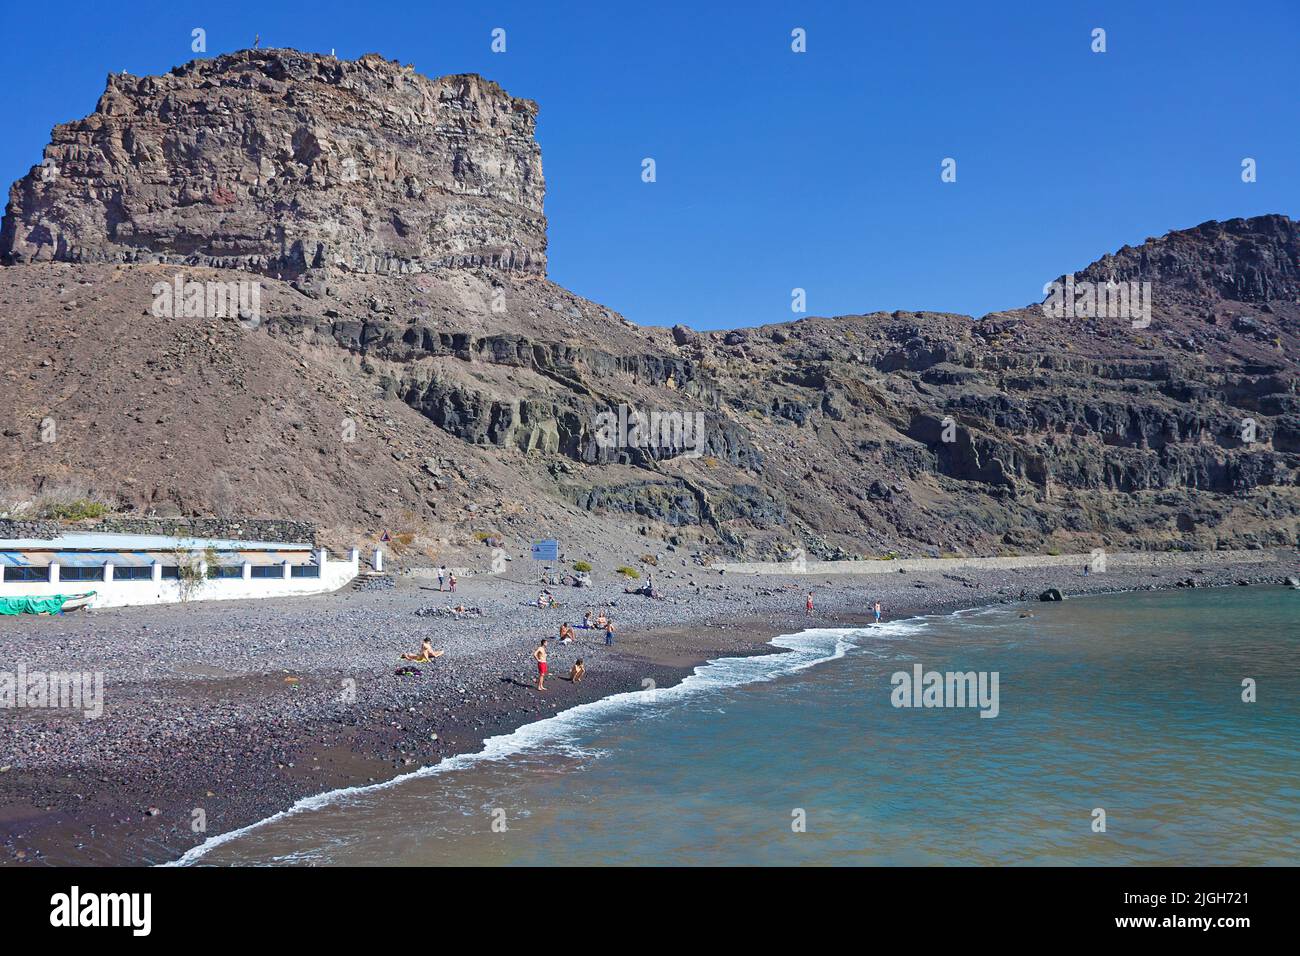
(1248, 260)
(412, 306)
(276, 161)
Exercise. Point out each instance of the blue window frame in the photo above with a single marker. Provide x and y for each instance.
(132, 573)
(95, 573)
(26, 574)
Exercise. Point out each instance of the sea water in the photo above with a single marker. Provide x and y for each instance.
(1142, 728)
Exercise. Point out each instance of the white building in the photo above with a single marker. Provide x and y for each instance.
(127, 569)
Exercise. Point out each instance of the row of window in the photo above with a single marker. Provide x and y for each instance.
(145, 573)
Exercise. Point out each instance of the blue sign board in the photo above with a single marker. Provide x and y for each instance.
(548, 550)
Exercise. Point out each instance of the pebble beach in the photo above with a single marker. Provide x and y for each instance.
(218, 714)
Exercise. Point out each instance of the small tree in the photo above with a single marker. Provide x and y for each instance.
(190, 567)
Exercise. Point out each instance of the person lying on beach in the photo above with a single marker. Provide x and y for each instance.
(427, 653)
(567, 634)
(577, 671)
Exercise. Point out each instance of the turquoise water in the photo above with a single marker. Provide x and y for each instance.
(1129, 703)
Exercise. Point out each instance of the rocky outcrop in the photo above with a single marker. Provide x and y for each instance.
(281, 162)
(1248, 260)
(405, 217)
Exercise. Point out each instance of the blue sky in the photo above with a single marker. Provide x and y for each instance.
(778, 170)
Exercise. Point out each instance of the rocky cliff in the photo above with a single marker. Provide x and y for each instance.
(281, 162)
(411, 312)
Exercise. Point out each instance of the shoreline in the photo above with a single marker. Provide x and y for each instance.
(242, 743)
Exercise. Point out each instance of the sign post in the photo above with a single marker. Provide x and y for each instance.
(547, 551)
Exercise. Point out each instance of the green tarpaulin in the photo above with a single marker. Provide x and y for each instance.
(35, 605)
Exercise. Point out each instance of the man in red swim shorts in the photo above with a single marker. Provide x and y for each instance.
(539, 655)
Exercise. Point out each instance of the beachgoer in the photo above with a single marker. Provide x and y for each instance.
(601, 620)
(587, 622)
(426, 654)
(539, 655)
(876, 609)
(567, 633)
(609, 632)
(577, 671)
(442, 577)
(452, 581)
(809, 606)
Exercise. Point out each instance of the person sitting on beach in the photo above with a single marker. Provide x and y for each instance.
(601, 620)
(578, 670)
(427, 653)
(546, 599)
(587, 623)
(567, 634)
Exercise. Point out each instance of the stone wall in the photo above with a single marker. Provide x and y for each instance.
(239, 529)
(18, 528)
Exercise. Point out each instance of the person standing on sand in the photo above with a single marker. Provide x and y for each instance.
(809, 606)
(539, 655)
(452, 580)
(609, 632)
(442, 575)
(876, 608)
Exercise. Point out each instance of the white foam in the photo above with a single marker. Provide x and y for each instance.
(803, 650)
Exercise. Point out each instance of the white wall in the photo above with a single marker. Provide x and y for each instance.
(1114, 560)
(110, 593)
